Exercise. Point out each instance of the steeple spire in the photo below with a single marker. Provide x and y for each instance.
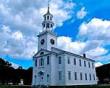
(48, 11)
(48, 23)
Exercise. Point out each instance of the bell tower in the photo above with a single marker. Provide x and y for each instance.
(48, 23)
(46, 38)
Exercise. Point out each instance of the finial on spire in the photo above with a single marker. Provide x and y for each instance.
(48, 6)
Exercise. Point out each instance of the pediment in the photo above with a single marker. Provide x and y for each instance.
(42, 52)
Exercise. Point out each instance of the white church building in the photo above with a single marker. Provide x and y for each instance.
(56, 67)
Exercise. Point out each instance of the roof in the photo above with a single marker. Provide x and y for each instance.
(61, 52)
(66, 52)
(45, 32)
(49, 52)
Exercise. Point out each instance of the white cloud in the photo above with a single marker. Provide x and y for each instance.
(104, 58)
(92, 49)
(27, 15)
(17, 35)
(21, 21)
(96, 29)
(14, 65)
(16, 44)
(95, 53)
(98, 64)
(67, 44)
(97, 33)
(82, 13)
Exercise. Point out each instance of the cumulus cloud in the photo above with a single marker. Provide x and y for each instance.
(104, 58)
(96, 29)
(92, 49)
(98, 64)
(92, 38)
(15, 43)
(67, 44)
(95, 53)
(96, 35)
(26, 15)
(82, 13)
(14, 65)
(21, 22)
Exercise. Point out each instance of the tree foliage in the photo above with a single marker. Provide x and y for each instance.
(103, 73)
(10, 75)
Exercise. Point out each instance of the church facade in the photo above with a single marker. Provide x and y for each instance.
(56, 67)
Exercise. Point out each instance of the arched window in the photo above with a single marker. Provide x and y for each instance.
(85, 76)
(80, 62)
(36, 62)
(42, 61)
(60, 75)
(93, 76)
(69, 75)
(68, 60)
(50, 18)
(35, 78)
(80, 76)
(51, 25)
(44, 18)
(47, 77)
(74, 61)
(47, 17)
(59, 60)
(48, 60)
(41, 73)
(89, 64)
(47, 25)
(84, 63)
(41, 53)
(75, 75)
(43, 25)
(90, 76)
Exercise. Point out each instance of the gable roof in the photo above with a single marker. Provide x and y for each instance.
(66, 52)
(44, 50)
(58, 51)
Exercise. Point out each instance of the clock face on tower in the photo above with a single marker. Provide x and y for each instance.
(42, 41)
(52, 41)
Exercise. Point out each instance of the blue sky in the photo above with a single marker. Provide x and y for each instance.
(82, 25)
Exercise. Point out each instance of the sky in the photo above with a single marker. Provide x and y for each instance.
(82, 26)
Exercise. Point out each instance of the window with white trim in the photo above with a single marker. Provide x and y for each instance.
(90, 76)
(79, 62)
(59, 60)
(60, 75)
(80, 76)
(48, 60)
(41, 62)
(36, 62)
(85, 76)
(84, 63)
(74, 61)
(68, 60)
(69, 75)
(89, 64)
(75, 75)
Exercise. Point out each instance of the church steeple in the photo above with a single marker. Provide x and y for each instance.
(48, 23)
(48, 11)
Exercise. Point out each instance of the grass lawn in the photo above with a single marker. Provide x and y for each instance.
(14, 86)
(96, 86)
